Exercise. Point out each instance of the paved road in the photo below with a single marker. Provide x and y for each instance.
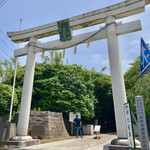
(87, 143)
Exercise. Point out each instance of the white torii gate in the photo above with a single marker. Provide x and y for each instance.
(111, 32)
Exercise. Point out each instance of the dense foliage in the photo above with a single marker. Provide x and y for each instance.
(6, 78)
(62, 88)
(137, 85)
(70, 88)
(104, 109)
(5, 98)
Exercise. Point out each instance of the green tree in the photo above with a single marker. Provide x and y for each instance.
(58, 60)
(5, 99)
(104, 108)
(66, 88)
(55, 59)
(1, 70)
(69, 88)
(7, 70)
(103, 69)
(137, 85)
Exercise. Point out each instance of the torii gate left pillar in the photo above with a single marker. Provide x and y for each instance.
(23, 121)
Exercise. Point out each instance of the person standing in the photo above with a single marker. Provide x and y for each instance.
(78, 124)
(105, 126)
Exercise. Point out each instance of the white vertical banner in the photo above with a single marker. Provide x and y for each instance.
(72, 116)
(142, 126)
(129, 125)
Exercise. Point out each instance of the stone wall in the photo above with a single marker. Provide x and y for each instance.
(47, 125)
(3, 120)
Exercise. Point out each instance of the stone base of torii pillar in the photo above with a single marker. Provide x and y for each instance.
(121, 144)
(20, 141)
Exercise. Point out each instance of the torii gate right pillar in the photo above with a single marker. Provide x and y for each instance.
(118, 87)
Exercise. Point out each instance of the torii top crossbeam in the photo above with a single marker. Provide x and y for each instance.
(120, 10)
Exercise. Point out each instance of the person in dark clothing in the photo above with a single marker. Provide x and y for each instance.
(105, 126)
(78, 124)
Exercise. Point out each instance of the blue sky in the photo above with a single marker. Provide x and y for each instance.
(40, 12)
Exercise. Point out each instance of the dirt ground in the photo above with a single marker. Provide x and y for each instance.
(71, 143)
(87, 143)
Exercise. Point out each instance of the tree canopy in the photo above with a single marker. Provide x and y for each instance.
(70, 88)
(5, 99)
(64, 88)
(137, 85)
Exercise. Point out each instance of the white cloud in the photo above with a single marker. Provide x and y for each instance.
(105, 62)
(135, 43)
(125, 65)
(147, 40)
(132, 51)
(96, 57)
